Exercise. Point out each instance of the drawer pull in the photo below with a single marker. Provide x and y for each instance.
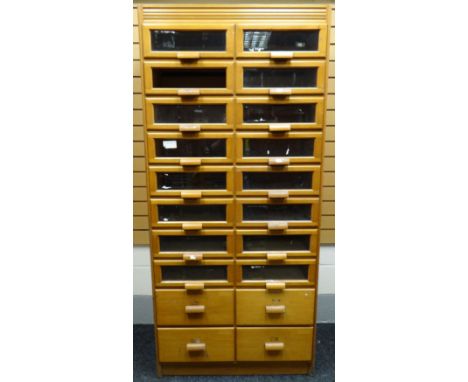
(188, 92)
(277, 226)
(278, 161)
(281, 55)
(190, 162)
(192, 226)
(280, 92)
(275, 309)
(196, 347)
(279, 127)
(193, 256)
(276, 256)
(194, 309)
(191, 194)
(274, 346)
(189, 128)
(194, 286)
(271, 285)
(188, 55)
(278, 194)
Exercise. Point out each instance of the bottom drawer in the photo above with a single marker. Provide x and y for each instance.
(196, 345)
(274, 344)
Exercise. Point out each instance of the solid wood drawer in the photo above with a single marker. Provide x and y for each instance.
(188, 78)
(282, 307)
(195, 345)
(268, 244)
(183, 308)
(203, 148)
(274, 344)
(279, 115)
(188, 41)
(191, 182)
(189, 115)
(267, 181)
(193, 246)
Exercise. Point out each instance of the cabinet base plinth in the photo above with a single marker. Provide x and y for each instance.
(238, 368)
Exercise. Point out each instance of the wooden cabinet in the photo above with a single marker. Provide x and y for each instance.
(234, 114)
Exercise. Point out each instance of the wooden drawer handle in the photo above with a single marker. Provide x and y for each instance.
(271, 285)
(191, 309)
(275, 309)
(188, 92)
(191, 194)
(278, 194)
(277, 226)
(193, 256)
(194, 286)
(192, 226)
(277, 256)
(279, 127)
(274, 346)
(188, 55)
(278, 161)
(189, 128)
(190, 162)
(281, 55)
(280, 92)
(196, 347)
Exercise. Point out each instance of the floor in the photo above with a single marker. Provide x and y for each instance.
(144, 360)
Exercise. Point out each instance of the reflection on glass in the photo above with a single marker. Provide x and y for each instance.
(191, 180)
(195, 272)
(189, 78)
(277, 180)
(172, 40)
(265, 212)
(259, 147)
(190, 113)
(190, 147)
(190, 243)
(259, 41)
(174, 213)
(278, 113)
(274, 78)
(276, 242)
(275, 272)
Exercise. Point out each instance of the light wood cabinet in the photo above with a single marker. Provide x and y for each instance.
(234, 103)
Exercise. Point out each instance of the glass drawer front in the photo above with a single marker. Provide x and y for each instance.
(202, 113)
(276, 242)
(273, 78)
(190, 147)
(176, 213)
(253, 147)
(189, 78)
(190, 243)
(179, 40)
(275, 272)
(276, 40)
(266, 212)
(279, 113)
(187, 273)
(191, 181)
(276, 180)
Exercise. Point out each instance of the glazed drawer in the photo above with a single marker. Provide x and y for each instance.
(195, 345)
(277, 214)
(193, 276)
(188, 78)
(278, 181)
(283, 307)
(281, 41)
(190, 151)
(192, 214)
(274, 344)
(189, 115)
(180, 308)
(272, 245)
(279, 115)
(276, 274)
(191, 182)
(280, 78)
(187, 41)
(193, 246)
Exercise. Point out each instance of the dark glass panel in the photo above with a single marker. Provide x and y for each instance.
(265, 212)
(177, 40)
(259, 41)
(189, 78)
(190, 147)
(200, 272)
(276, 242)
(191, 180)
(278, 113)
(190, 243)
(275, 272)
(274, 78)
(174, 213)
(190, 113)
(253, 147)
(277, 180)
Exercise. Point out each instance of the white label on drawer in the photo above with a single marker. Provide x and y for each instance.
(170, 144)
